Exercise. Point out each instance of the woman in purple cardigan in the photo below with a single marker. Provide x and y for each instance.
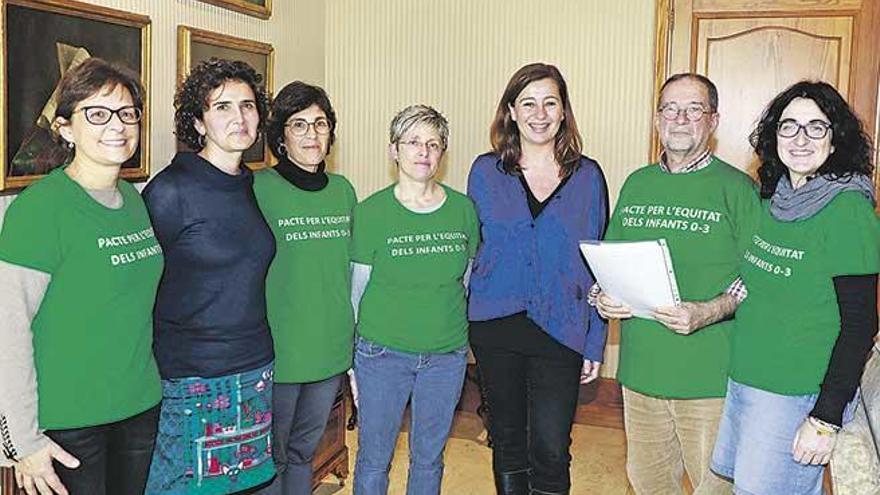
(535, 337)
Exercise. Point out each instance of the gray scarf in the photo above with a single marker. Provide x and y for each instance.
(790, 205)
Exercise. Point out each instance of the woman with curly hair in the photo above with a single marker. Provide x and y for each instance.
(212, 340)
(308, 289)
(804, 332)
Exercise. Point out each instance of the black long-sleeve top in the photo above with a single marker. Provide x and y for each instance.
(857, 301)
(210, 314)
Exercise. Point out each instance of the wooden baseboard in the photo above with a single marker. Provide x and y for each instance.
(600, 404)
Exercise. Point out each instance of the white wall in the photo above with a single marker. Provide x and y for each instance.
(457, 55)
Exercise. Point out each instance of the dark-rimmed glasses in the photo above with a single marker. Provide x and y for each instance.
(300, 127)
(814, 129)
(98, 115)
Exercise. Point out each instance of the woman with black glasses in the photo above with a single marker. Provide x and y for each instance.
(79, 267)
(804, 332)
(307, 290)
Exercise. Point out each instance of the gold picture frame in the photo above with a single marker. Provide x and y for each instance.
(256, 8)
(195, 45)
(41, 40)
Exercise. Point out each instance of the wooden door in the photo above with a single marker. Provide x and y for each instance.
(753, 49)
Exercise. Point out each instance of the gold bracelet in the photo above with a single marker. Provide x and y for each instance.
(823, 427)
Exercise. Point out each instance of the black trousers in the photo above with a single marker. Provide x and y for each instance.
(531, 383)
(114, 458)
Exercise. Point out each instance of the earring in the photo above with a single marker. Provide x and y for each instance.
(282, 149)
(201, 140)
(70, 145)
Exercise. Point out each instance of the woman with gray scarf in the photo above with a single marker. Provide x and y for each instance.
(803, 334)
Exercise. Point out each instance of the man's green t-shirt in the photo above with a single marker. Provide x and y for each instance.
(705, 217)
(787, 326)
(93, 332)
(308, 288)
(415, 300)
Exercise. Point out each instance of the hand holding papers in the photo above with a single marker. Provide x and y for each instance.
(639, 274)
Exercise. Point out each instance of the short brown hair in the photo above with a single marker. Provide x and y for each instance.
(91, 76)
(504, 134)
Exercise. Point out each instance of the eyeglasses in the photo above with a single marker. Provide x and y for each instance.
(432, 146)
(98, 115)
(693, 113)
(300, 127)
(814, 129)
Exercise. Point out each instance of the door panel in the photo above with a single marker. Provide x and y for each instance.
(776, 52)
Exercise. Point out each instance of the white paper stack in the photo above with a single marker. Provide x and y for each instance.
(639, 273)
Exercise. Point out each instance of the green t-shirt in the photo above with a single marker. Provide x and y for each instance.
(705, 218)
(415, 300)
(308, 288)
(93, 332)
(787, 326)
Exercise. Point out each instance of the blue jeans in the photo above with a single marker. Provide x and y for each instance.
(386, 380)
(754, 441)
(299, 416)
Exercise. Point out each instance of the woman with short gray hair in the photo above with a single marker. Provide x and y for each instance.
(412, 244)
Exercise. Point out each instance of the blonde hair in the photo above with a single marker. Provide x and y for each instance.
(414, 115)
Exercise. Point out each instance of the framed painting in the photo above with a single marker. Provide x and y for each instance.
(195, 45)
(256, 8)
(43, 39)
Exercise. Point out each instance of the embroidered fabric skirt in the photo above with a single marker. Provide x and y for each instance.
(214, 435)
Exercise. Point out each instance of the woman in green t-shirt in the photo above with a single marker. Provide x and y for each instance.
(308, 287)
(412, 244)
(804, 332)
(79, 266)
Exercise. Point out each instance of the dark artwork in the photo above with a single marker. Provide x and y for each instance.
(38, 43)
(259, 61)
